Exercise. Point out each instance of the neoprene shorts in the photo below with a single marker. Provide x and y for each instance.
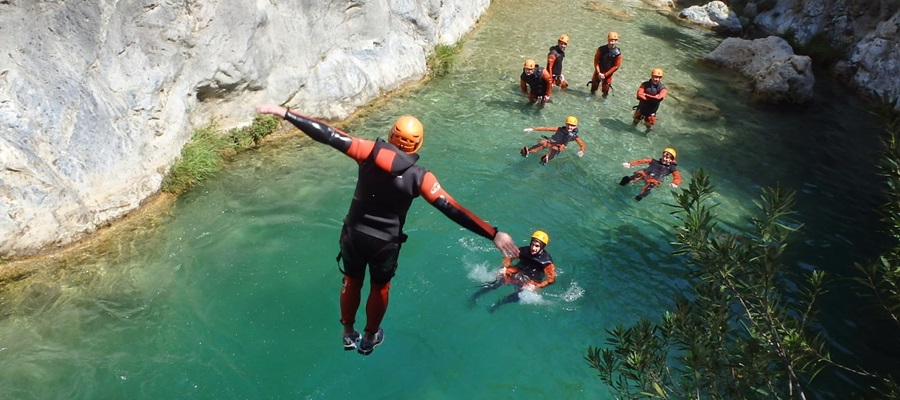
(359, 250)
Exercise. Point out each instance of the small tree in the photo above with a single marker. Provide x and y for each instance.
(881, 277)
(743, 333)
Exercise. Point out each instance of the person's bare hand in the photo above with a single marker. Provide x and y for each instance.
(505, 243)
(272, 109)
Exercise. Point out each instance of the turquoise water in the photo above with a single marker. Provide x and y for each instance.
(235, 295)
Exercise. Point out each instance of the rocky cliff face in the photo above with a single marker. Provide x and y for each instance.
(866, 29)
(97, 98)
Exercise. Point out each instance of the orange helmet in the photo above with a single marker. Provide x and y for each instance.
(670, 151)
(564, 38)
(529, 63)
(407, 134)
(571, 120)
(656, 72)
(612, 35)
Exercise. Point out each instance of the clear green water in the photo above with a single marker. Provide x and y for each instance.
(235, 296)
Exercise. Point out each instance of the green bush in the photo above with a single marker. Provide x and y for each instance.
(442, 60)
(202, 157)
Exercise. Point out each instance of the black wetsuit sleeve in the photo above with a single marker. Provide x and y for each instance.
(321, 132)
(435, 195)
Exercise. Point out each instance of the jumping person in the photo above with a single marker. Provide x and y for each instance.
(607, 60)
(534, 270)
(557, 143)
(538, 79)
(650, 94)
(555, 61)
(372, 233)
(654, 173)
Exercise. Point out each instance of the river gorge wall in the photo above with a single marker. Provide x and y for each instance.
(97, 98)
(864, 36)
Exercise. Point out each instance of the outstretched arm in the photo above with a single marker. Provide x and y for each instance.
(637, 162)
(435, 195)
(321, 132)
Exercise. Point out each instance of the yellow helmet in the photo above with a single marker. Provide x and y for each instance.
(612, 35)
(564, 38)
(656, 72)
(571, 120)
(541, 236)
(670, 151)
(529, 63)
(407, 134)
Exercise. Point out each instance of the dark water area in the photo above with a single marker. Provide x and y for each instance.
(235, 294)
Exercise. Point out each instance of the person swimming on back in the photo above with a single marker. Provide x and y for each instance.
(654, 173)
(564, 134)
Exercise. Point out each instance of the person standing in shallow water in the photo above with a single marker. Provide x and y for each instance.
(607, 60)
(555, 61)
(538, 80)
(372, 233)
(649, 94)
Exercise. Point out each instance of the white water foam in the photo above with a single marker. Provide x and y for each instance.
(482, 272)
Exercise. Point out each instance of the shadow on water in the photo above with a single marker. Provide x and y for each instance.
(621, 125)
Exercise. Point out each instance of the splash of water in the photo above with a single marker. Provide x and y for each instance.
(482, 272)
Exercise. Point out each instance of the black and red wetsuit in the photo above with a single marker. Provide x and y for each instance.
(653, 174)
(606, 61)
(555, 63)
(540, 81)
(557, 142)
(389, 180)
(532, 269)
(535, 269)
(649, 96)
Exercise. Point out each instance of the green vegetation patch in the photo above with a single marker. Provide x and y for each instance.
(205, 154)
(442, 60)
